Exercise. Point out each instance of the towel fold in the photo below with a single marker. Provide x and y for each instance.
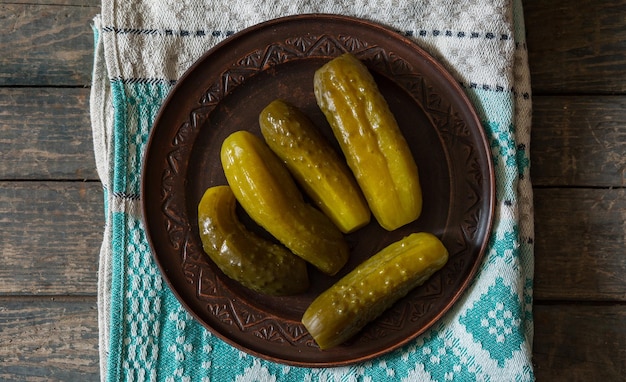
(143, 47)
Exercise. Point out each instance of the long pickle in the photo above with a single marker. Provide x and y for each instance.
(267, 192)
(372, 287)
(242, 255)
(316, 166)
(369, 136)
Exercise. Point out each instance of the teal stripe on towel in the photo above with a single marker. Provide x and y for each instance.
(136, 107)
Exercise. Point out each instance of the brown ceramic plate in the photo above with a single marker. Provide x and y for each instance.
(225, 91)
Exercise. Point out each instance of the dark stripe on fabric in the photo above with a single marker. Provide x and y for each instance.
(225, 33)
(168, 32)
(494, 88)
(127, 196)
(146, 81)
(455, 34)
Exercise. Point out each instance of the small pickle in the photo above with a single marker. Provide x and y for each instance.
(370, 139)
(372, 287)
(268, 193)
(253, 261)
(316, 166)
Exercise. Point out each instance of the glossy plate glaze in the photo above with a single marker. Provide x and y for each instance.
(225, 90)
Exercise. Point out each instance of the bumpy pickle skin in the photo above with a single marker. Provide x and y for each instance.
(245, 257)
(369, 136)
(267, 192)
(372, 287)
(316, 166)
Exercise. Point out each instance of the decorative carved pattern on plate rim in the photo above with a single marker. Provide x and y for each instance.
(453, 131)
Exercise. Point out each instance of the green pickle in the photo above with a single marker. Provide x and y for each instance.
(369, 136)
(372, 287)
(267, 192)
(242, 255)
(316, 166)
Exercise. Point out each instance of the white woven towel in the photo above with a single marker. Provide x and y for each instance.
(144, 46)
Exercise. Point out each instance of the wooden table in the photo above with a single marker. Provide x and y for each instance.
(51, 206)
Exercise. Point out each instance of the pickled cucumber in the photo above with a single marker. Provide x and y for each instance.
(268, 193)
(369, 136)
(242, 255)
(372, 287)
(316, 166)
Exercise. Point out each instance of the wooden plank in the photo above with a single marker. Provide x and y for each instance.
(48, 340)
(46, 45)
(579, 141)
(56, 340)
(573, 46)
(46, 134)
(580, 343)
(580, 241)
(71, 3)
(51, 234)
(576, 46)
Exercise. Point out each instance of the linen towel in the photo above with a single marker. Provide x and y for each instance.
(143, 47)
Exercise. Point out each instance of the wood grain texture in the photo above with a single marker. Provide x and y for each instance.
(580, 343)
(573, 46)
(48, 339)
(51, 234)
(46, 45)
(69, 3)
(581, 234)
(580, 241)
(576, 46)
(45, 134)
(56, 340)
(576, 141)
(579, 141)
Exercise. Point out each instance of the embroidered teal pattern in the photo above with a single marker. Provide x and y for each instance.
(504, 155)
(523, 162)
(137, 106)
(143, 295)
(447, 360)
(504, 245)
(182, 350)
(494, 322)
